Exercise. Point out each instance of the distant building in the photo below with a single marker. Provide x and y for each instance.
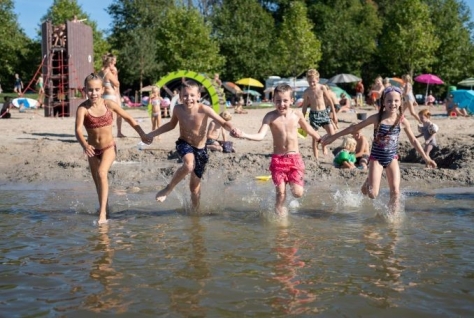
(298, 85)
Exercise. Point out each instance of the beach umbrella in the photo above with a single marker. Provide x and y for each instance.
(232, 87)
(250, 82)
(252, 92)
(147, 88)
(464, 99)
(396, 82)
(428, 79)
(338, 91)
(344, 78)
(467, 82)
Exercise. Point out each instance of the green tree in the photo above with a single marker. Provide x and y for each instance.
(65, 10)
(408, 42)
(298, 47)
(348, 30)
(138, 54)
(453, 27)
(14, 46)
(245, 33)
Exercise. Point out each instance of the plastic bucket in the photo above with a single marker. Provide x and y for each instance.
(361, 116)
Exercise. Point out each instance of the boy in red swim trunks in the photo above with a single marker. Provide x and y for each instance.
(286, 165)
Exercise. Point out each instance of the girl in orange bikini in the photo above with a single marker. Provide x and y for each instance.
(95, 114)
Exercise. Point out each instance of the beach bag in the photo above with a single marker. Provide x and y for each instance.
(227, 147)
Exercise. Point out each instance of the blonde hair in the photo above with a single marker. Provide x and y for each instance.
(226, 115)
(108, 59)
(155, 89)
(407, 78)
(312, 73)
(349, 144)
(425, 113)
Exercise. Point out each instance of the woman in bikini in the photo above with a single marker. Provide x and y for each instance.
(409, 98)
(384, 152)
(95, 114)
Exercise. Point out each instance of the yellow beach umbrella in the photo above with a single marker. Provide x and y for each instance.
(250, 82)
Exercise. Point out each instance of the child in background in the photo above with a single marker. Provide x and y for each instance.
(214, 130)
(428, 130)
(192, 117)
(95, 114)
(384, 154)
(155, 107)
(287, 166)
(319, 115)
(409, 101)
(362, 151)
(345, 158)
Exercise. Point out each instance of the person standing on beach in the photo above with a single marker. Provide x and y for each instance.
(376, 91)
(360, 93)
(409, 98)
(18, 85)
(95, 114)
(155, 107)
(314, 97)
(384, 154)
(286, 166)
(192, 117)
(40, 90)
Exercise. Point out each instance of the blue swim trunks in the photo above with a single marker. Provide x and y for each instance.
(200, 156)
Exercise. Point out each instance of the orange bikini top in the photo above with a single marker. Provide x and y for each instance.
(91, 121)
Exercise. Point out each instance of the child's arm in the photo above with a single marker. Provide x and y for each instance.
(216, 117)
(328, 139)
(307, 127)
(416, 144)
(130, 120)
(261, 132)
(88, 149)
(304, 105)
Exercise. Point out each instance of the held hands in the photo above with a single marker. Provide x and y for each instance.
(147, 139)
(236, 133)
(327, 139)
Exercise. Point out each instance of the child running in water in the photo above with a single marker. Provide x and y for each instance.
(319, 115)
(155, 105)
(428, 131)
(387, 126)
(95, 114)
(286, 165)
(192, 117)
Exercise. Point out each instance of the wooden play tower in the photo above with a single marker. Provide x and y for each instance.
(69, 59)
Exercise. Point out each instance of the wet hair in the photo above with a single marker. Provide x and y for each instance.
(425, 113)
(92, 77)
(387, 90)
(191, 84)
(312, 73)
(282, 88)
(349, 143)
(226, 115)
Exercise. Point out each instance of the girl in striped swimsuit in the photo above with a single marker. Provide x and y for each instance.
(384, 153)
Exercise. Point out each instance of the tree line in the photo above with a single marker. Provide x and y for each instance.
(259, 38)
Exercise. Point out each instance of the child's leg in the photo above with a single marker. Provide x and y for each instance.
(315, 148)
(280, 199)
(371, 185)
(101, 169)
(330, 130)
(428, 149)
(179, 175)
(195, 188)
(296, 190)
(393, 179)
(411, 108)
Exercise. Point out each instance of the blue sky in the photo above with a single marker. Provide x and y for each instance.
(29, 13)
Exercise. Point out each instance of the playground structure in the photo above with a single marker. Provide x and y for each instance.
(68, 53)
(210, 92)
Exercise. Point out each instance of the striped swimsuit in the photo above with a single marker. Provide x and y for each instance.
(385, 144)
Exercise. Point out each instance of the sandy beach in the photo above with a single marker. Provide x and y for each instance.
(36, 149)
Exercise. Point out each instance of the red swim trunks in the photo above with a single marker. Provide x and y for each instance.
(287, 168)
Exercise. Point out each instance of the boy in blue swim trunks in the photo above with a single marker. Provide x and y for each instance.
(192, 117)
(314, 97)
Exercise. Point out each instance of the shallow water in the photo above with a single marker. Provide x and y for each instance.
(336, 255)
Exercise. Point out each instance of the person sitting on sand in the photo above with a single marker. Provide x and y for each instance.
(5, 112)
(345, 158)
(453, 108)
(344, 103)
(95, 114)
(192, 117)
(214, 130)
(428, 130)
(362, 151)
(239, 107)
(286, 166)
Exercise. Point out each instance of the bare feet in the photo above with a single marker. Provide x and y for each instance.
(120, 135)
(102, 221)
(161, 195)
